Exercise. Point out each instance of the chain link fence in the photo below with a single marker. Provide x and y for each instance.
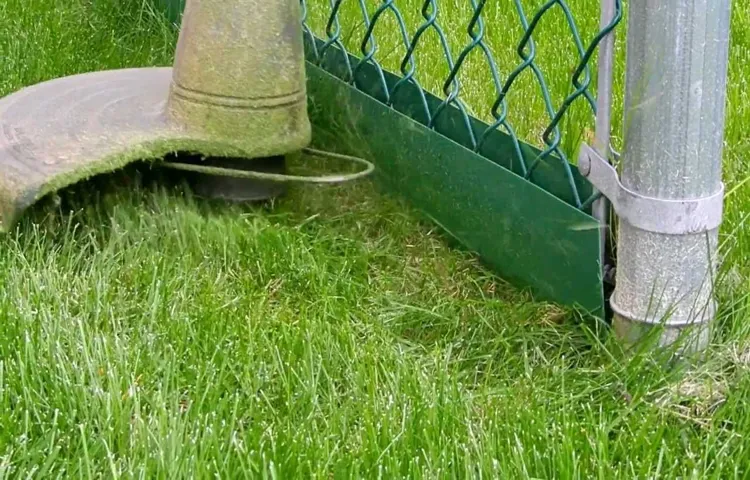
(454, 58)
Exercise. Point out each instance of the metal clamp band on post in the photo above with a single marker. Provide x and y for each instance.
(670, 217)
(656, 318)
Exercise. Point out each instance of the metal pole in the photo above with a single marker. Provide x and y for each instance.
(600, 208)
(677, 54)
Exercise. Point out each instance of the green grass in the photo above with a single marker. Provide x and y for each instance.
(145, 333)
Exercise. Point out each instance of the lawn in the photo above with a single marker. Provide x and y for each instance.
(333, 334)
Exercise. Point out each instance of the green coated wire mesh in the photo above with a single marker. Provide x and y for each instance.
(460, 66)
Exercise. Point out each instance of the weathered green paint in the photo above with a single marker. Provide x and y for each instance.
(523, 232)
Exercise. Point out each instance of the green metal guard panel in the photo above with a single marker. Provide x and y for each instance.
(173, 8)
(525, 234)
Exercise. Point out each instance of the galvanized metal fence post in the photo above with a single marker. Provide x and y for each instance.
(669, 196)
(602, 140)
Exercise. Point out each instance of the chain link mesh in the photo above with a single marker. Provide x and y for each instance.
(413, 39)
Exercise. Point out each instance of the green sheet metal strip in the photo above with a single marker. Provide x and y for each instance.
(524, 233)
(173, 8)
(499, 147)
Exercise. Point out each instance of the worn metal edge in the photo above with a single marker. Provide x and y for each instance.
(522, 232)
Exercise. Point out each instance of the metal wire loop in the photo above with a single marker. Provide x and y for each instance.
(369, 167)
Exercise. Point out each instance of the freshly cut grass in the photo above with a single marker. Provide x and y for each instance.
(148, 334)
